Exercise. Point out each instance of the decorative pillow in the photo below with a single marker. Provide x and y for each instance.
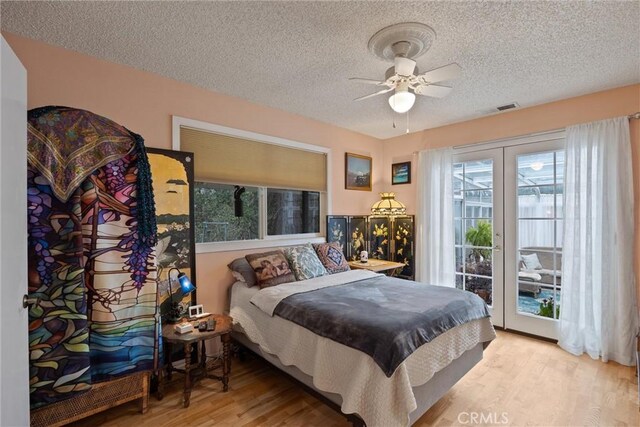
(271, 268)
(531, 262)
(242, 271)
(331, 257)
(304, 262)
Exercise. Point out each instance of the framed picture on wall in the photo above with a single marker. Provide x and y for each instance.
(357, 172)
(173, 181)
(401, 173)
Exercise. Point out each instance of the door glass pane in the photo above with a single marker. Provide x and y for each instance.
(457, 223)
(539, 228)
(536, 169)
(559, 232)
(458, 173)
(473, 211)
(482, 286)
(478, 174)
(459, 259)
(537, 201)
(536, 233)
(478, 203)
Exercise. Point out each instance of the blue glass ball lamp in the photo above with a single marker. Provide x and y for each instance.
(186, 287)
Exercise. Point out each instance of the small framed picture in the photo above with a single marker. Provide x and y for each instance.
(357, 172)
(401, 173)
(196, 310)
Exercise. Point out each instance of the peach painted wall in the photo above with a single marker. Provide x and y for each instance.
(555, 115)
(144, 102)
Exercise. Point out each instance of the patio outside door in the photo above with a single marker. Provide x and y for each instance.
(478, 210)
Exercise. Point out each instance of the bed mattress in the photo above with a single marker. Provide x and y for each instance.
(365, 390)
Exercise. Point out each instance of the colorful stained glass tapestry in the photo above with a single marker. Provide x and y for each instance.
(92, 272)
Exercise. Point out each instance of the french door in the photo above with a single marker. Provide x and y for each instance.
(508, 232)
(534, 187)
(478, 223)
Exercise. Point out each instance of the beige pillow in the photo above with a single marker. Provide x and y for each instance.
(271, 268)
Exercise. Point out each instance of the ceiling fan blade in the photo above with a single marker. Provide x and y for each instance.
(404, 66)
(368, 81)
(448, 72)
(434, 91)
(380, 92)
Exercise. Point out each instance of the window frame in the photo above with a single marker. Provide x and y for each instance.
(264, 240)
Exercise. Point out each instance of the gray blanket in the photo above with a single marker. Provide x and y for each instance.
(384, 317)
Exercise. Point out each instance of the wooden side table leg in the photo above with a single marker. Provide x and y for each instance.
(203, 356)
(187, 375)
(160, 393)
(168, 353)
(144, 401)
(226, 361)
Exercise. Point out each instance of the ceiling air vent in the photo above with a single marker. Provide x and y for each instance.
(507, 107)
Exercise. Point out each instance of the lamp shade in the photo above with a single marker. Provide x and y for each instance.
(388, 205)
(402, 101)
(185, 284)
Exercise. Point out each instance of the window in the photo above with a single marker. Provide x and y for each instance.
(292, 212)
(288, 212)
(215, 217)
(253, 190)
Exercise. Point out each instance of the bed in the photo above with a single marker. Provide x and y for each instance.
(346, 375)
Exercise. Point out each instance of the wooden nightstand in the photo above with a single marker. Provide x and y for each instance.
(199, 369)
(378, 265)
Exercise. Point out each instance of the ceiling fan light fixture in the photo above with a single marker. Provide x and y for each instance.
(402, 101)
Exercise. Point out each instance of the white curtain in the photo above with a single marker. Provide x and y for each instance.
(598, 314)
(435, 237)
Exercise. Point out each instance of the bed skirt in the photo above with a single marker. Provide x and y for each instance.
(426, 395)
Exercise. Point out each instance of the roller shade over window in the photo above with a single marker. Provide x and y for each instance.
(227, 159)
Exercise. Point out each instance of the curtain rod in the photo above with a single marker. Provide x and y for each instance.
(630, 117)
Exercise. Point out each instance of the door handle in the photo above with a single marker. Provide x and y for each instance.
(28, 301)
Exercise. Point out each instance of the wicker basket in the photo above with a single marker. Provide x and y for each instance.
(102, 396)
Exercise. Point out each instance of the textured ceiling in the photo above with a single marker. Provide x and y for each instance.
(297, 56)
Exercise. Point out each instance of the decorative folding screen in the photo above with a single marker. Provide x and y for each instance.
(381, 236)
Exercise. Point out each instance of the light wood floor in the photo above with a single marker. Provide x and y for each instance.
(534, 383)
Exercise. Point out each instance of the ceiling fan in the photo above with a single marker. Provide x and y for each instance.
(400, 43)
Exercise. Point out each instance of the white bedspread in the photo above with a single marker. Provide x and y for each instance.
(336, 368)
(268, 298)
